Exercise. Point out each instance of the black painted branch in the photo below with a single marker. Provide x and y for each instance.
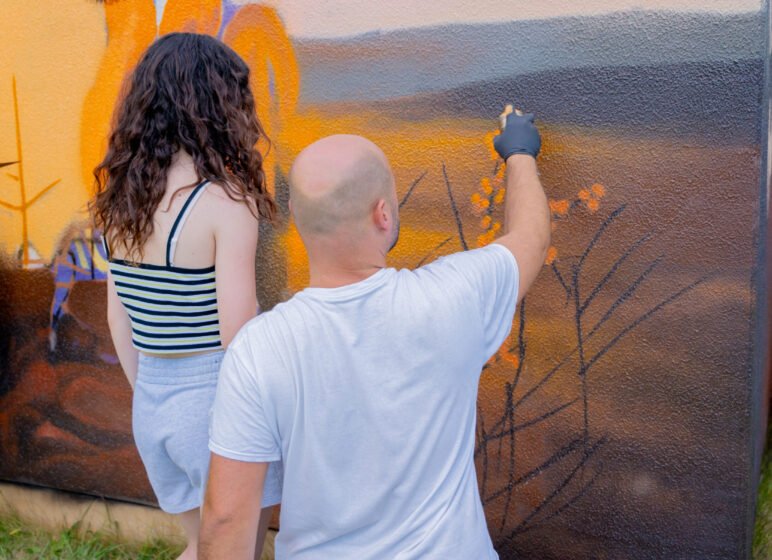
(511, 414)
(643, 317)
(556, 492)
(580, 346)
(613, 216)
(565, 359)
(555, 458)
(410, 190)
(560, 278)
(565, 506)
(531, 422)
(613, 270)
(455, 209)
(621, 299)
(507, 414)
(430, 253)
(483, 437)
(543, 417)
(546, 378)
(520, 345)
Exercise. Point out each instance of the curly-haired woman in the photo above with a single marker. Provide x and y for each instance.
(179, 195)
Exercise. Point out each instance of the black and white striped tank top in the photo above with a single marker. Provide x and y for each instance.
(172, 309)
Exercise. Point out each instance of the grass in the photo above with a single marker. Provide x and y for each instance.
(19, 542)
(762, 534)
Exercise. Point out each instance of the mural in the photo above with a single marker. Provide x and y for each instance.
(619, 419)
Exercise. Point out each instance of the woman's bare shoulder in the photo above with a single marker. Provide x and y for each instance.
(223, 208)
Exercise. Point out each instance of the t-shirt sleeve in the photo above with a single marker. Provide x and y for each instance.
(239, 428)
(489, 278)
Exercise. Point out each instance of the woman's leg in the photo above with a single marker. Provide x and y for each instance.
(191, 522)
(262, 530)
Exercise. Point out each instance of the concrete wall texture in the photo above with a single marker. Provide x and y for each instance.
(622, 418)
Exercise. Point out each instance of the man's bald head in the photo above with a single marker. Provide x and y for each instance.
(336, 182)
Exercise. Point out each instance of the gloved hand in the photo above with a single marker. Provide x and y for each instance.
(519, 136)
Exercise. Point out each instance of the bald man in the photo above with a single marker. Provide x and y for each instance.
(365, 383)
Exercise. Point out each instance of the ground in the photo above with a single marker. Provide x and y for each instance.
(25, 543)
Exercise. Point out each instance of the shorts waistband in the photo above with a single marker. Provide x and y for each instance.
(153, 369)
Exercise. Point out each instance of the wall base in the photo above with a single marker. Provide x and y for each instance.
(54, 510)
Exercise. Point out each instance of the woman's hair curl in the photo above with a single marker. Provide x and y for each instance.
(188, 92)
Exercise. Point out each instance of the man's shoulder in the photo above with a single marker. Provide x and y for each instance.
(260, 346)
(259, 329)
(482, 256)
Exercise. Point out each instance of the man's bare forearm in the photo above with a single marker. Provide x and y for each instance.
(526, 209)
(527, 229)
(225, 538)
(231, 511)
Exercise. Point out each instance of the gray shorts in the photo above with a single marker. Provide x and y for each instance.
(173, 398)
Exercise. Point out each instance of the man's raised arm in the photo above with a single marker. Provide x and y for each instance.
(527, 228)
(231, 509)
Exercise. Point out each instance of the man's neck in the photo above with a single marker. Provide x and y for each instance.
(334, 275)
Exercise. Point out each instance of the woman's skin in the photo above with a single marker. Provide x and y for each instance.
(219, 231)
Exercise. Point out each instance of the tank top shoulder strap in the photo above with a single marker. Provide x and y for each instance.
(174, 234)
(106, 247)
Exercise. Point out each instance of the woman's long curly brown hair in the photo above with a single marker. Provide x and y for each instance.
(188, 92)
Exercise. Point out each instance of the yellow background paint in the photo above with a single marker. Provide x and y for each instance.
(54, 55)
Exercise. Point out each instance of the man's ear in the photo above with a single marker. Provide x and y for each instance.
(382, 215)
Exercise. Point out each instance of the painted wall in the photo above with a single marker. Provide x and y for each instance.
(621, 418)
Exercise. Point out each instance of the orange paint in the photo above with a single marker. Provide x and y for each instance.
(552, 254)
(511, 359)
(130, 30)
(257, 35)
(297, 259)
(191, 16)
(558, 206)
(486, 238)
(491, 150)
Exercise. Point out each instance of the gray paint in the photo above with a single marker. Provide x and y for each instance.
(394, 64)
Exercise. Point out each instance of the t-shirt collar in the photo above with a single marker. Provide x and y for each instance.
(350, 291)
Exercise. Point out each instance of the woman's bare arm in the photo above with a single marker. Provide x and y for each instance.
(120, 331)
(235, 244)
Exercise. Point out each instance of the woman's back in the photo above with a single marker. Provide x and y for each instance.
(172, 296)
(195, 248)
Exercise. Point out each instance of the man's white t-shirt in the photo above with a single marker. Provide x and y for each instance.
(367, 393)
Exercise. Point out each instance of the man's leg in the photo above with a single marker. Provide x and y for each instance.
(191, 522)
(262, 530)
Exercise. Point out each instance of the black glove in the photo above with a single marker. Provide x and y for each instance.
(519, 136)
